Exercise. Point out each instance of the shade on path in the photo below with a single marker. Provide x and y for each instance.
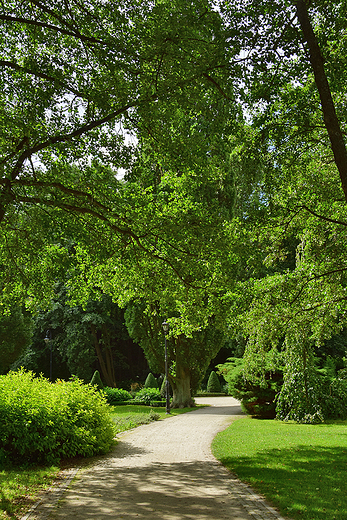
(161, 471)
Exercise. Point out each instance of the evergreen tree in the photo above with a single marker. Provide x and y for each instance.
(96, 380)
(213, 384)
(151, 381)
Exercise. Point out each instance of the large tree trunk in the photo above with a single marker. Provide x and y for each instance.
(182, 396)
(330, 117)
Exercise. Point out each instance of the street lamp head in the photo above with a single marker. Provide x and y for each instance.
(165, 326)
(46, 339)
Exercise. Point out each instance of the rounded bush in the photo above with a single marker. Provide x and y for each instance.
(213, 384)
(116, 395)
(146, 395)
(42, 422)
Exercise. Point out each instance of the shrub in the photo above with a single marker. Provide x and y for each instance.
(151, 381)
(41, 422)
(96, 380)
(255, 399)
(146, 395)
(154, 416)
(213, 384)
(116, 395)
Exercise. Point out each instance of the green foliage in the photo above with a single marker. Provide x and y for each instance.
(158, 404)
(48, 146)
(213, 384)
(116, 395)
(256, 399)
(216, 219)
(151, 381)
(146, 395)
(96, 380)
(189, 352)
(41, 422)
(15, 334)
(82, 340)
(301, 394)
(334, 396)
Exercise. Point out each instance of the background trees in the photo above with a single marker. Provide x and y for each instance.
(83, 340)
(233, 200)
(290, 76)
(15, 334)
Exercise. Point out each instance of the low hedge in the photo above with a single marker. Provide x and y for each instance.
(210, 394)
(157, 404)
(42, 422)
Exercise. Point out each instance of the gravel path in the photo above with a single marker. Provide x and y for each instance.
(160, 471)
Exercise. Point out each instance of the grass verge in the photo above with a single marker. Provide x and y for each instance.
(19, 487)
(128, 417)
(299, 468)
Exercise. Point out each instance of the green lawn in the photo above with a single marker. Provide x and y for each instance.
(19, 487)
(300, 468)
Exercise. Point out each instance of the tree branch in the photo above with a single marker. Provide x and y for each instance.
(329, 113)
(67, 137)
(42, 75)
(314, 278)
(326, 219)
(36, 23)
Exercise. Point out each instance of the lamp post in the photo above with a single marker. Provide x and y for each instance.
(166, 327)
(48, 341)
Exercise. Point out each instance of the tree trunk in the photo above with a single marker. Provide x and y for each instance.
(330, 117)
(108, 374)
(182, 396)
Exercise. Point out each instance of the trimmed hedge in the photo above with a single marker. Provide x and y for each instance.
(42, 422)
(151, 381)
(96, 380)
(157, 404)
(213, 384)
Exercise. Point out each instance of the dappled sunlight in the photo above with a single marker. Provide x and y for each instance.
(157, 491)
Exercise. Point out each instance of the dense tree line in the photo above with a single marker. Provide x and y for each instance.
(231, 213)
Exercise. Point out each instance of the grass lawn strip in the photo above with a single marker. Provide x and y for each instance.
(20, 487)
(299, 468)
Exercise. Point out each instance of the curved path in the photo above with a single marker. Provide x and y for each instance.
(160, 471)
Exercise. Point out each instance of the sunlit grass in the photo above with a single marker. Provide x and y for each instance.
(300, 468)
(19, 488)
(128, 417)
